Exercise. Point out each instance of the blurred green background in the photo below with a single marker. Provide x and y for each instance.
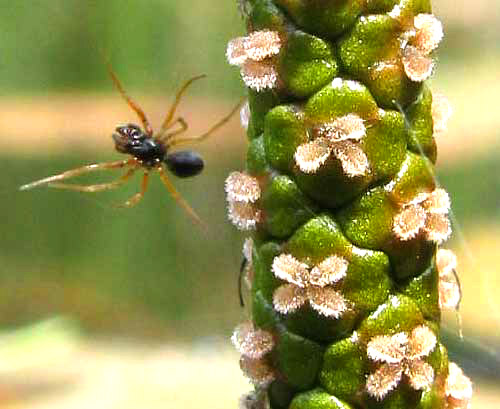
(148, 274)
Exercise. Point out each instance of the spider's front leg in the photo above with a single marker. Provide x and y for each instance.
(97, 187)
(51, 181)
(168, 123)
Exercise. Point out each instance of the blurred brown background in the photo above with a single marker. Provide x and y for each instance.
(113, 308)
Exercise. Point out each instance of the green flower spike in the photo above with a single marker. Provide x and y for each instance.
(343, 268)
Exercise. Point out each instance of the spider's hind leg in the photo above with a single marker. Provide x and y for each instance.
(52, 180)
(179, 199)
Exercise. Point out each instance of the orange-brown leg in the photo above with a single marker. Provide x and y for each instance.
(179, 199)
(131, 103)
(79, 171)
(171, 112)
(178, 141)
(98, 187)
(138, 196)
(183, 128)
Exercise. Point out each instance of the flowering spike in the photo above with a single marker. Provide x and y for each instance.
(342, 140)
(310, 156)
(250, 342)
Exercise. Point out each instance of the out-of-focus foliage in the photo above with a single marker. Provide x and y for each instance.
(140, 270)
(53, 45)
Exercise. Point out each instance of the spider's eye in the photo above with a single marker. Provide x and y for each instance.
(184, 164)
(135, 132)
(130, 131)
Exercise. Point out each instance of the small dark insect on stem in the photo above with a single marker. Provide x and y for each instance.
(244, 263)
(149, 152)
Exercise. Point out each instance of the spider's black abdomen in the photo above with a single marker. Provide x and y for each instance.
(184, 164)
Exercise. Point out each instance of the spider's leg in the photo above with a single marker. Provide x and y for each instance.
(179, 199)
(97, 187)
(171, 112)
(183, 128)
(179, 141)
(79, 171)
(138, 196)
(131, 103)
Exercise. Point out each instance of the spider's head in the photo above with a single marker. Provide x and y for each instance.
(127, 137)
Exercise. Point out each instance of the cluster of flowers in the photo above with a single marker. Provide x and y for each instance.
(417, 45)
(254, 55)
(403, 355)
(304, 284)
(339, 138)
(427, 213)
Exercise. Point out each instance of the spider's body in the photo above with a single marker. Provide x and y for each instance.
(132, 140)
(150, 152)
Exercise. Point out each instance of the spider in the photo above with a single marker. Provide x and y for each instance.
(150, 152)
